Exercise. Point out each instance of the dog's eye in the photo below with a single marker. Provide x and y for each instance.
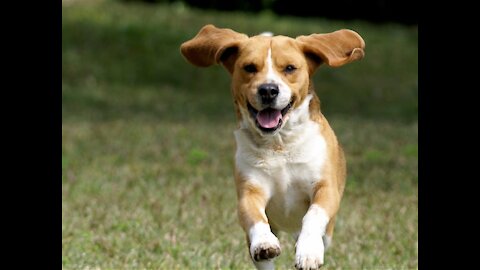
(289, 69)
(251, 68)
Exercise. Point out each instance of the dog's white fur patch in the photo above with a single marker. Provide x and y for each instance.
(310, 247)
(285, 93)
(266, 34)
(288, 176)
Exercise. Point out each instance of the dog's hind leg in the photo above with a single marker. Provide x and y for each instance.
(264, 265)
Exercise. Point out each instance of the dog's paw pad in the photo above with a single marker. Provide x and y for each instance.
(265, 247)
(264, 244)
(266, 251)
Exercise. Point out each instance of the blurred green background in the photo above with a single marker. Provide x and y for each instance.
(147, 149)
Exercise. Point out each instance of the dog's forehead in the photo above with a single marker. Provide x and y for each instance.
(278, 45)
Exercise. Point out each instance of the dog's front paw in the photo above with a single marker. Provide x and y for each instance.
(309, 254)
(265, 247)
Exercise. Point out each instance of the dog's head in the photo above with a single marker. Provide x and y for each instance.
(270, 75)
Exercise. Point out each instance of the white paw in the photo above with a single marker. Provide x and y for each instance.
(309, 253)
(264, 244)
(265, 247)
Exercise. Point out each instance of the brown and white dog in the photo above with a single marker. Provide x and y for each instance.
(289, 167)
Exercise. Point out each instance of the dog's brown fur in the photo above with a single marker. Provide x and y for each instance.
(234, 51)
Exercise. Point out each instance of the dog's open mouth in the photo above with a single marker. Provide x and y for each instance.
(269, 119)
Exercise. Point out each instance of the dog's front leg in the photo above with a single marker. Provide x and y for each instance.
(310, 245)
(263, 244)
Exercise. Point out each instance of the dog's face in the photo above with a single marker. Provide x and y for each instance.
(270, 75)
(270, 78)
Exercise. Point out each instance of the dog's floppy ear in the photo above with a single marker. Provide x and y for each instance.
(212, 46)
(335, 49)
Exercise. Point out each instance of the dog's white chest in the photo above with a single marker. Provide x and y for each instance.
(287, 175)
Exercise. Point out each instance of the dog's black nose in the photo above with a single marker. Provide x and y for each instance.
(268, 92)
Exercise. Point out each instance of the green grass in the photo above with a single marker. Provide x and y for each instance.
(147, 151)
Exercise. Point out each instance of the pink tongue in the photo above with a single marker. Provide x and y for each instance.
(269, 118)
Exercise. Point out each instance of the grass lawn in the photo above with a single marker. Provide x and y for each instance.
(147, 150)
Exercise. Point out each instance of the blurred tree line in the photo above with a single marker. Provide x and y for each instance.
(378, 11)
